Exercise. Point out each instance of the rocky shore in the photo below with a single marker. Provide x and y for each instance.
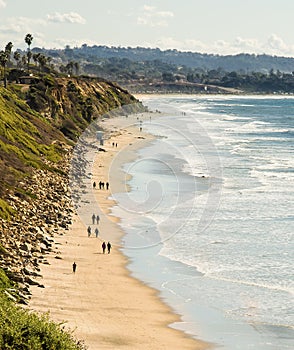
(42, 210)
(44, 205)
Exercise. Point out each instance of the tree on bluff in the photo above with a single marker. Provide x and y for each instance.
(28, 41)
(3, 62)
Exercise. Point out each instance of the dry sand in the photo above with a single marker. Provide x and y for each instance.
(101, 302)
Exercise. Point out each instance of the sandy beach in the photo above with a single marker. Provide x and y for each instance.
(103, 305)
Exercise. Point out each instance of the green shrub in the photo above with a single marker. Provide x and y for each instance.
(24, 330)
(4, 280)
(5, 210)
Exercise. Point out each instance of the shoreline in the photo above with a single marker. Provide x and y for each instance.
(142, 96)
(102, 302)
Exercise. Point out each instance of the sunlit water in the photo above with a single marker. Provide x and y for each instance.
(209, 218)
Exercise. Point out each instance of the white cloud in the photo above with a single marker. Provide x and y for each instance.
(166, 43)
(276, 44)
(71, 17)
(2, 4)
(250, 43)
(153, 18)
(20, 25)
(60, 43)
(273, 46)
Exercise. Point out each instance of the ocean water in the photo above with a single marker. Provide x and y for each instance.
(209, 218)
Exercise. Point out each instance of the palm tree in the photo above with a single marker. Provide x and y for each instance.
(24, 60)
(3, 62)
(77, 67)
(28, 40)
(36, 57)
(29, 56)
(69, 67)
(8, 49)
(42, 61)
(16, 56)
(49, 62)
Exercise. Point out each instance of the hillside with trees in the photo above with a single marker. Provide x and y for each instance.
(153, 70)
(247, 62)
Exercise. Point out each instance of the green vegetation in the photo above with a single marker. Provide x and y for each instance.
(21, 329)
(144, 69)
(43, 112)
(4, 280)
(49, 108)
(25, 143)
(151, 75)
(5, 210)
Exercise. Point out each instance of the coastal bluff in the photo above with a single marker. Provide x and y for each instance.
(39, 126)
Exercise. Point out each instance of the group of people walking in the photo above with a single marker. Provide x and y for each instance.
(102, 185)
(96, 220)
(96, 231)
(104, 245)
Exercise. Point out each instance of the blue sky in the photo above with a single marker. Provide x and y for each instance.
(208, 26)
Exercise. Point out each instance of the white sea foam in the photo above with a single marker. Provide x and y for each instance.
(239, 231)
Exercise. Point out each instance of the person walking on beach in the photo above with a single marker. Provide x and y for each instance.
(107, 185)
(74, 267)
(93, 218)
(97, 219)
(103, 247)
(96, 232)
(108, 247)
(94, 185)
(89, 231)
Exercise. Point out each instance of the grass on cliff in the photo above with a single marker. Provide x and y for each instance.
(26, 142)
(24, 330)
(24, 135)
(5, 210)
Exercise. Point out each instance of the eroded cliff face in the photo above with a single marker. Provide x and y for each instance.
(71, 103)
(38, 131)
(103, 95)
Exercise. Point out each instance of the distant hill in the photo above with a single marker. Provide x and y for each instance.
(243, 61)
(144, 70)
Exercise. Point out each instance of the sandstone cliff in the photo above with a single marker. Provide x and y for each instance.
(39, 125)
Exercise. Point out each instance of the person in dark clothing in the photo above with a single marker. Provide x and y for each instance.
(74, 267)
(103, 247)
(108, 247)
(89, 231)
(96, 232)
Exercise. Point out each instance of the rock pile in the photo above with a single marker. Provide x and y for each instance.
(42, 210)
